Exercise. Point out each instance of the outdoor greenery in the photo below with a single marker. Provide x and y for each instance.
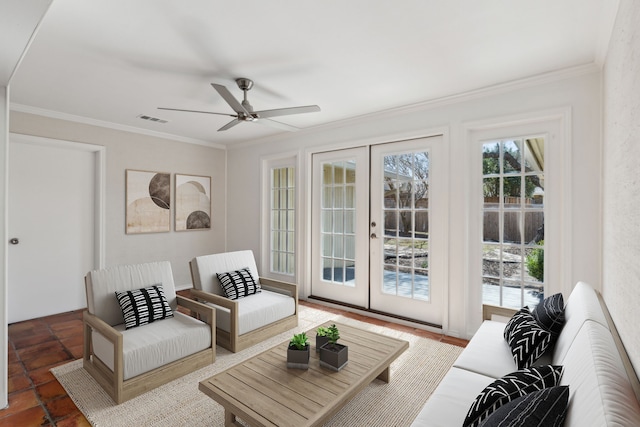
(511, 185)
(535, 262)
(299, 341)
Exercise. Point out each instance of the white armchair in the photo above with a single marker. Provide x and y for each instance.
(246, 321)
(129, 362)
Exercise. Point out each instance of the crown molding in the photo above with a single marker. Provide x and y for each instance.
(110, 125)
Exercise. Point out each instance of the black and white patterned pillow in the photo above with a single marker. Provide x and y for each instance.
(143, 306)
(238, 284)
(550, 314)
(526, 338)
(510, 387)
(544, 408)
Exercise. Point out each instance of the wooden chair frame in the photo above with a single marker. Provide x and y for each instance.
(113, 382)
(231, 340)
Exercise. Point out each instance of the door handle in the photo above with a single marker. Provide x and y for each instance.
(373, 236)
(14, 241)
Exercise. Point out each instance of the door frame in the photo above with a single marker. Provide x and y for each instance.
(99, 190)
(306, 229)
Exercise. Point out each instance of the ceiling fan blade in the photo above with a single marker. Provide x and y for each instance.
(277, 125)
(287, 111)
(229, 125)
(196, 111)
(233, 103)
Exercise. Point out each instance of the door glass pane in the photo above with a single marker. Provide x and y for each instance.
(406, 225)
(338, 222)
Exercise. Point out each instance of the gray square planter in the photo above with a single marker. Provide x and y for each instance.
(298, 359)
(320, 341)
(334, 356)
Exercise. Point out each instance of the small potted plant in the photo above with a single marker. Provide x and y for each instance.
(298, 352)
(333, 355)
(321, 337)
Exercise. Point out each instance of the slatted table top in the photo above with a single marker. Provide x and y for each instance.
(262, 391)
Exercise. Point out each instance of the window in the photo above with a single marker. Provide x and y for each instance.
(513, 186)
(282, 220)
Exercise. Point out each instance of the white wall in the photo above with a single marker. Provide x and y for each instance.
(125, 150)
(577, 89)
(621, 178)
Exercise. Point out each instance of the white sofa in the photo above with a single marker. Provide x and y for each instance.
(246, 321)
(600, 378)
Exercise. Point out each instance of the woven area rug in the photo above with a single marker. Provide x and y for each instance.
(414, 376)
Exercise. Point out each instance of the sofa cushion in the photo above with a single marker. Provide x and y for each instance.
(448, 404)
(206, 266)
(155, 344)
(510, 387)
(487, 353)
(238, 284)
(256, 311)
(550, 314)
(142, 306)
(601, 394)
(544, 408)
(527, 340)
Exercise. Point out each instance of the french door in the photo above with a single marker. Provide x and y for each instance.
(379, 228)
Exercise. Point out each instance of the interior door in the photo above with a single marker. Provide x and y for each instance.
(408, 226)
(340, 226)
(51, 217)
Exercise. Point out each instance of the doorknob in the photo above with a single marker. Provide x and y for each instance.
(373, 236)
(14, 241)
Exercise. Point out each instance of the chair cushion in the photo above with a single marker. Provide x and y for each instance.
(544, 408)
(256, 311)
(143, 306)
(155, 344)
(510, 387)
(101, 285)
(238, 284)
(528, 341)
(205, 267)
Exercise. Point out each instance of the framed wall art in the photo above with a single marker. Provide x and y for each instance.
(148, 202)
(193, 202)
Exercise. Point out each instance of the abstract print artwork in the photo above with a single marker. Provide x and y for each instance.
(193, 202)
(148, 202)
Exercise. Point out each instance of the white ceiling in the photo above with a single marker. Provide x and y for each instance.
(113, 60)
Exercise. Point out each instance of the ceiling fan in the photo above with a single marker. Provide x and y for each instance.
(244, 110)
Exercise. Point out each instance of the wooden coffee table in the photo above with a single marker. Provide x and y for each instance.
(262, 391)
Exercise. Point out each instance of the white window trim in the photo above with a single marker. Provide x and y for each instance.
(555, 125)
(267, 164)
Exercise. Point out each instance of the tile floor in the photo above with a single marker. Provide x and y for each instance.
(35, 346)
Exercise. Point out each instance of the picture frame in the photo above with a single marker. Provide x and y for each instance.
(147, 201)
(193, 202)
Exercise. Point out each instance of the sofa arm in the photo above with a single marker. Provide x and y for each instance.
(278, 286)
(92, 324)
(489, 310)
(215, 299)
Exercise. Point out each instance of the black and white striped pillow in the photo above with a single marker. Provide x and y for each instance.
(526, 338)
(238, 284)
(143, 306)
(510, 387)
(550, 314)
(544, 408)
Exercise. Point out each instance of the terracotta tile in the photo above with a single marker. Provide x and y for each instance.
(428, 334)
(16, 368)
(47, 359)
(41, 376)
(20, 401)
(59, 408)
(33, 339)
(76, 351)
(63, 317)
(34, 351)
(27, 327)
(50, 390)
(67, 329)
(18, 382)
(13, 355)
(73, 420)
(31, 417)
(73, 340)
